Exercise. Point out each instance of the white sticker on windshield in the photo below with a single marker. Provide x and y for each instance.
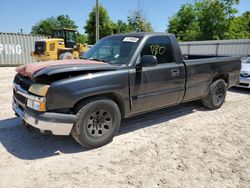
(130, 39)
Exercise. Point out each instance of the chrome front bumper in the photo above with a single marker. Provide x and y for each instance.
(244, 82)
(57, 123)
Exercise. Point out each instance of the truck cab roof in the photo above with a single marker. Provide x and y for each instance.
(144, 34)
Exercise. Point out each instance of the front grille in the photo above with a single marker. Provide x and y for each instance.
(19, 97)
(243, 84)
(24, 82)
(245, 75)
(40, 47)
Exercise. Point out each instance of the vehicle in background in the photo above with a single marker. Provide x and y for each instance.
(62, 45)
(245, 74)
(120, 76)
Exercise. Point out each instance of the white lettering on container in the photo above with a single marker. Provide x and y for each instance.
(10, 49)
(18, 49)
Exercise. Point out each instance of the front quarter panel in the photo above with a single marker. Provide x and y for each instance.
(66, 93)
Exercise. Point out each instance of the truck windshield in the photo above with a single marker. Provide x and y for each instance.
(58, 34)
(70, 36)
(115, 50)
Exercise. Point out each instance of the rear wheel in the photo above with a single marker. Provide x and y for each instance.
(97, 123)
(216, 96)
(66, 55)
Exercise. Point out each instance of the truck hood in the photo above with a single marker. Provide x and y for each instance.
(49, 68)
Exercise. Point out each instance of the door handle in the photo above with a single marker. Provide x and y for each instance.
(175, 73)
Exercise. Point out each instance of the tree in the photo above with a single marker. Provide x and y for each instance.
(240, 27)
(106, 26)
(184, 24)
(66, 22)
(81, 38)
(203, 20)
(137, 22)
(121, 27)
(45, 27)
(214, 18)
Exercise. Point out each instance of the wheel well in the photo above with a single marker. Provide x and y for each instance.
(112, 96)
(225, 77)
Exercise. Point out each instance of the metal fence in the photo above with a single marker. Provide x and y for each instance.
(15, 48)
(239, 47)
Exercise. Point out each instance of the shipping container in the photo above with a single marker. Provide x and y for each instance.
(15, 48)
(237, 47)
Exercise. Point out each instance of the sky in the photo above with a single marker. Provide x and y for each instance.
(23, 14)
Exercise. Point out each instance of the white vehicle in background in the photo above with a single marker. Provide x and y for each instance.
(245, 74)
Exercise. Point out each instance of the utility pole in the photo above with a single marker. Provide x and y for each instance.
(140, 12)
(97, 21)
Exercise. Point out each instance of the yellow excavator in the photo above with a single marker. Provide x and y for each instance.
(62, 45)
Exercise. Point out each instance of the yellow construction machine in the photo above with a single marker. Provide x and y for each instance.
(62, 45)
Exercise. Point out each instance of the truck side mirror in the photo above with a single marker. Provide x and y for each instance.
(147, 61)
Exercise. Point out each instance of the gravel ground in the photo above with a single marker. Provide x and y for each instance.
(183, 146)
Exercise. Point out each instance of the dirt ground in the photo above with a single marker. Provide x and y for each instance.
(183, 146)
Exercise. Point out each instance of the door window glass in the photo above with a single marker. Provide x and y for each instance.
(160, 47)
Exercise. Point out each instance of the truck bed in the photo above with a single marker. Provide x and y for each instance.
(201, 70)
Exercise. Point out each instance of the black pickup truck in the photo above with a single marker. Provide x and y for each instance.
(120, 76)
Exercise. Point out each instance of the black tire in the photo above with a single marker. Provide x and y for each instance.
(66, 55)
(98, 120)
(216, 96)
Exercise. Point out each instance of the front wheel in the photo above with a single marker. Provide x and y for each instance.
(216, 96)
(66, 55)
(97, 123)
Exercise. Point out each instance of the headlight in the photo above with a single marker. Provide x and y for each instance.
(37, 105)
(39, 89)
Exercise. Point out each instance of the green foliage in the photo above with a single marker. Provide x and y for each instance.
(240, 27)
(106, 26)
(82, 39)
(66, 22)
(212, 20)
(138, 23)
(121, 27)
(228, 7)
(45, 27)
(204, 20)
(184, 24)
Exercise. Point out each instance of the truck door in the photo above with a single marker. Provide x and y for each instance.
(157, 86)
